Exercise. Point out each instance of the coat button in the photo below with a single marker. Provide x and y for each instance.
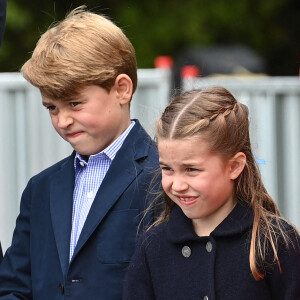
(62, 288)
(186, 251)
(205, 298)
(209, 247)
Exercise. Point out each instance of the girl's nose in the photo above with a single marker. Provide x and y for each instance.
(179, 184)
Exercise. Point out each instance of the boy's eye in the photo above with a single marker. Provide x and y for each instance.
(73, 104)
(51, 107)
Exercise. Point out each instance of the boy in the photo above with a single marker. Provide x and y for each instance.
(79, 218)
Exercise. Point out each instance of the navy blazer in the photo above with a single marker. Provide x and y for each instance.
(36, 266)
(1, 254)
(172, 262)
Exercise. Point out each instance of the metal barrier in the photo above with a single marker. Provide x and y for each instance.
(29, 143)
(274, 109)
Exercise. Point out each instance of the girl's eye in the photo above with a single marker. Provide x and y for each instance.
(191, 170)
(165, 169)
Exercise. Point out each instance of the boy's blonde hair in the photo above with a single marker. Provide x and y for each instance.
(84, 49)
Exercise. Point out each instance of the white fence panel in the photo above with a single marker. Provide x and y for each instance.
(274, 110)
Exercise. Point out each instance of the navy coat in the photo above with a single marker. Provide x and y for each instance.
(36, 266)
(172, 262)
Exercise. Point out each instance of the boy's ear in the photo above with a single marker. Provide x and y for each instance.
(124, 87)
(236, 165)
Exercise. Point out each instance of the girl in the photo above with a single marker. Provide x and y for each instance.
(220, 235)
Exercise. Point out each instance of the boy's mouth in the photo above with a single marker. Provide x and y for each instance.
(73, 134)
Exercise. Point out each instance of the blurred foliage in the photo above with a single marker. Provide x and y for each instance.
(155, 27)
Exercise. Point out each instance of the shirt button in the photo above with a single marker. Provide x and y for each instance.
(90, 195)
(81, 163)
(209, 247)
(186, 251)
(205, 298)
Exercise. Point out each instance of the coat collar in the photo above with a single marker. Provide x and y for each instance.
(180, 228)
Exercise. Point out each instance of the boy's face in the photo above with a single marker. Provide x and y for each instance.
(91, 121)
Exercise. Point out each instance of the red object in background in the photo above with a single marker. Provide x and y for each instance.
(190, 71)
(163, 62)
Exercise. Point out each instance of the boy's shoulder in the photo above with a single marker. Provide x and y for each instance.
(140, 142)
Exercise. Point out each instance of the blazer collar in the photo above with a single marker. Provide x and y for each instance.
(180, 228)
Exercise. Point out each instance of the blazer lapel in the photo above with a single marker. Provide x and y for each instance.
(125, 168)
(61, 203)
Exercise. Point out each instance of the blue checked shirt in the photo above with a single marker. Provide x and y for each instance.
(88, 178)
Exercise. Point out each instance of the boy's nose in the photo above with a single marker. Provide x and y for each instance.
(64, 120)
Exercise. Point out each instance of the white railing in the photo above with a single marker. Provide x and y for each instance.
(29, 144)
(274, 109)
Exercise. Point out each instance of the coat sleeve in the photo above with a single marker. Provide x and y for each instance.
(285, 285)
(138, 283)
(15, 275)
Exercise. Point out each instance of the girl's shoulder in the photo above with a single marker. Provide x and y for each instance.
(286, 237)
(286, 229)
(153, 236)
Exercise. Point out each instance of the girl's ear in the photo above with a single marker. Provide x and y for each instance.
(124, 87)
(236, 165)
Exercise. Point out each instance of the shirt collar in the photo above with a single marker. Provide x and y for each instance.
(109, 152)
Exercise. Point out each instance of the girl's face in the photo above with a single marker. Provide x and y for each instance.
(198, 181)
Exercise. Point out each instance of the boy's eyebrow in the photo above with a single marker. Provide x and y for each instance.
(45, 103)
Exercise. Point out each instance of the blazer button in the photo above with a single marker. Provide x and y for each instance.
(186, 251)
(205, 298)
(62, 288)
(209, 247)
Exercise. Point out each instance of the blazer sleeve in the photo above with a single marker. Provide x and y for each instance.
(285, 285)
(15, 276)
(138, 284)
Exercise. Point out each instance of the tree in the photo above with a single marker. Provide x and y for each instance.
(269, 27)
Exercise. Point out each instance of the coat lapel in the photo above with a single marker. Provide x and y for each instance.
(61, 203)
